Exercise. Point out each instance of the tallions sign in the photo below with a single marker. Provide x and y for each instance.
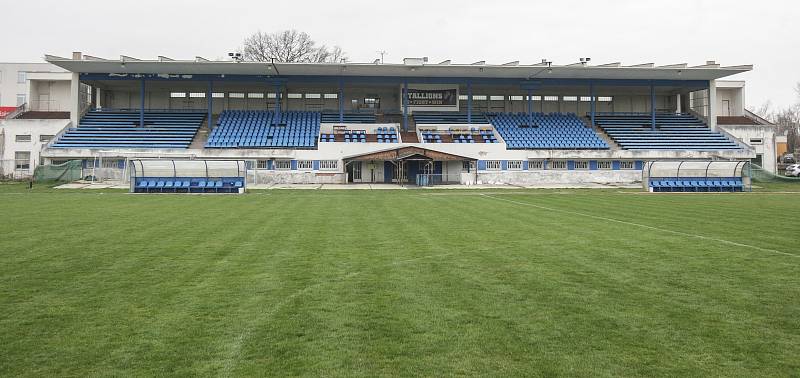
(432, 97)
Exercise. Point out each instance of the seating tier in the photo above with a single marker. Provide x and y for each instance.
(634, 131)
(122, 129)
(263, 129)
(545, 131)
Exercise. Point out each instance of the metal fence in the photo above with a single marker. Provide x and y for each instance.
(431, 179)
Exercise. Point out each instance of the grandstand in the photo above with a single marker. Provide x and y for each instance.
(635, 131)
(125, 129)
(545, 131)
(265, 129)
(316, 122)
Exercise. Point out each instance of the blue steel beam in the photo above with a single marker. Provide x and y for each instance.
(141, 104)
(405, 106)
(469, 102)
(652, 106)
(210, 101)
(593, 99)
(341, 101)
(277, 103)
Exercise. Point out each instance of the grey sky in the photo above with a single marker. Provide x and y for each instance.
(765, 33)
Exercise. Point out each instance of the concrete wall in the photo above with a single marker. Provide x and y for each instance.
(157, 97)
(560, 178)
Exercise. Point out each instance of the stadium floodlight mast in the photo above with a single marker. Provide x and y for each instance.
(236, 56)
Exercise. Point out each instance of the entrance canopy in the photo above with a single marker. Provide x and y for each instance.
(408, 154)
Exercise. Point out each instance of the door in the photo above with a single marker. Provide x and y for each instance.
(726, 108)
(44, 103)
(354, 172)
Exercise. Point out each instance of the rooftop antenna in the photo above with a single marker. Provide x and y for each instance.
(382, 52)
(585, 61)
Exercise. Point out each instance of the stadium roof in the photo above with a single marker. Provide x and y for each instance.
(410, 68)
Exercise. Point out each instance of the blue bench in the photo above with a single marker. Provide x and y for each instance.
(696, 184)
(188, 185)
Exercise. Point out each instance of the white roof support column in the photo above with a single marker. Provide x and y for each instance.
(75, 99)
(712, 104)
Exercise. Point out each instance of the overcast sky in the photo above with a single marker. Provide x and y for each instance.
(765, 33)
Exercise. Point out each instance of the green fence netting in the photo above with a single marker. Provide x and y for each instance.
(758, 174)
(69, 171)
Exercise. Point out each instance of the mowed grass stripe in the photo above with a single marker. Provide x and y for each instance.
(674, 221)
(387, 283)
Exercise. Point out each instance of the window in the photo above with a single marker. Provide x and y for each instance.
(468, 166)
(45, 138)
(497, 98)
(558, 164)
(605, 99)
(58, 161)
(111, 163)
(603, 165)
(255, 95)
(331, 96)
(515, 165)
(538, 98)
(756, 141)
(1, 76)
(328, 165)
(581, 165)
(305, 165)
(21, 99)
(516, 98)
(272, 95)
(177, 95)
(371, 100)
(218, 95)
(22, 160)
(313, 95)
(295, 95)
(463, 97)
(535, 164)
(479, 97)
(261, 164)
(22, 77)
(283, 165)
(551, 98)
(586, 98)
(626, 164)
(571, 98)
(21, 138)
(493, 165)
(197, 95)
(235, 95)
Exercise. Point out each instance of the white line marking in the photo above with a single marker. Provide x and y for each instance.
(723, 241)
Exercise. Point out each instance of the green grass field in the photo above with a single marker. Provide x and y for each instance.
(413, 282)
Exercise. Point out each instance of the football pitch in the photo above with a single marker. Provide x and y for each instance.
(399, 282)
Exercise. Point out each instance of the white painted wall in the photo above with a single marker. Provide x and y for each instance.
(10, 128)
(749, 134)
(10, 88)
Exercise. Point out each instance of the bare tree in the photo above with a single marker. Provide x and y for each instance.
(289, 46)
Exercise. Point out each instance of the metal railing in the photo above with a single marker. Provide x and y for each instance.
(431, 179)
